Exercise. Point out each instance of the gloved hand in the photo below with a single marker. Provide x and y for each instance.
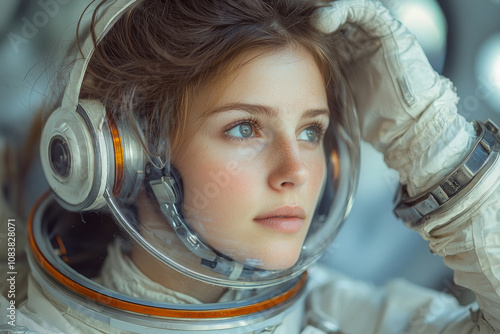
(406, 110)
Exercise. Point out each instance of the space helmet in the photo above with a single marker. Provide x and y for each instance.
(97, 167)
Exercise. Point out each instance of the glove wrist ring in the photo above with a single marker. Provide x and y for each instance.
(442, 196)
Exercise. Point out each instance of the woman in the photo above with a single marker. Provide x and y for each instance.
(220, 136)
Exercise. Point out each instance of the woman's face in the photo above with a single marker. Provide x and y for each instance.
(254, 168)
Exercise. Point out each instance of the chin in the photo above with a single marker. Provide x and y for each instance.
(275, 259)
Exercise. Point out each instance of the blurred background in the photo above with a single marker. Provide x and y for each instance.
(460, 37)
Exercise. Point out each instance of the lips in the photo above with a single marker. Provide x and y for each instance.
(284, 219)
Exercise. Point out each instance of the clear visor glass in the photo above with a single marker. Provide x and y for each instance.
(195, 218)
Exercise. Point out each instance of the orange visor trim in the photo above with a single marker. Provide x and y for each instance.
(336, 162)
(149, 310)
(119, 158)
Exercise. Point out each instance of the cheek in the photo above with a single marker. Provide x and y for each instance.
(317, 172)
(214, 189)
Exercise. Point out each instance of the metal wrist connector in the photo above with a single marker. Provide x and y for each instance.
(416, 210)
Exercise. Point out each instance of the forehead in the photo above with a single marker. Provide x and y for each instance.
(280, 79)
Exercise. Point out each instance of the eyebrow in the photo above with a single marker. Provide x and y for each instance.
(264, 110)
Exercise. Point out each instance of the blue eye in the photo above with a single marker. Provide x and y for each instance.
(309, 134)
(243, 130)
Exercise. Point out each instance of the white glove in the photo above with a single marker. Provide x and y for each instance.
(406, 110)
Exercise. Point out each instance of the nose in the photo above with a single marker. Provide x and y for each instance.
(288, 168)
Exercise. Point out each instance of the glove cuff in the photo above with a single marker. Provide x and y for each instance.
(454, 187)
(433, 145)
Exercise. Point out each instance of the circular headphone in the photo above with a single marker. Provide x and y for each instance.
(83, 150)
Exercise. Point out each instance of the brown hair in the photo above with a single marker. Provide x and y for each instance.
(150, 63)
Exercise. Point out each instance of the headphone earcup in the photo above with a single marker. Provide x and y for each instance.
(75, 155)
(84, 152)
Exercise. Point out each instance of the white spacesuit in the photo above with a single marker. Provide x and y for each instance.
(82, 280)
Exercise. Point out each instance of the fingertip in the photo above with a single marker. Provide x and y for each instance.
(329, 19)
